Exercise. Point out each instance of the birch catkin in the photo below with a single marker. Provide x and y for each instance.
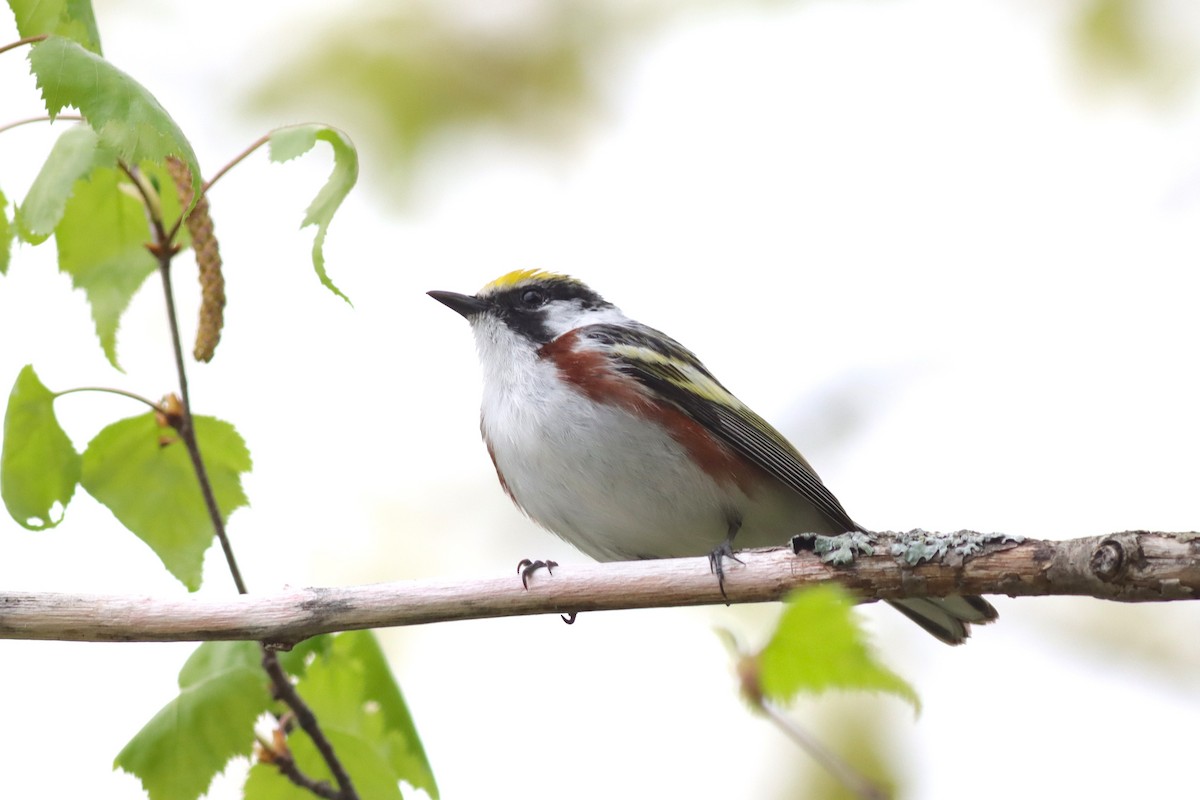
(208, 257)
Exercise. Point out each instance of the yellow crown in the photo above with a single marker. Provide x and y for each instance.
(519, 276)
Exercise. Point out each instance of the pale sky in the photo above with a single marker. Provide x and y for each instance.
(962, 280)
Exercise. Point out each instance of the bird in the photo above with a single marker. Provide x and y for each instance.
(615, 437)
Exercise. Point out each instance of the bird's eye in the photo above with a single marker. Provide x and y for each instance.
(532, 298)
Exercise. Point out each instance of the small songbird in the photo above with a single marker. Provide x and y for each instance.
(614, 436)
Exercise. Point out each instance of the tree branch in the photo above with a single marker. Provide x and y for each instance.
(1134, 566)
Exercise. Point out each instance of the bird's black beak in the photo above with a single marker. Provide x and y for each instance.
(464, 304)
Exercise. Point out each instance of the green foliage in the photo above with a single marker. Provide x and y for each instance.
(142, 472)
(852, 727)
(99, 221)
(409, 74)
(101, 183)
(288, 143)
(128, 119)
(295, 661)
(101, 241)
(73, 157)
(72, 19)
(818, 645)
(38, 466)
(353, 693)
(345, 680)
(222, 691)
(7, 230)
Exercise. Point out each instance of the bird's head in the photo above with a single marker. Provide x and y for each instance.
(528, 308)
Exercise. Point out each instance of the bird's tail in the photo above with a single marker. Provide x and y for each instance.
(947, 618)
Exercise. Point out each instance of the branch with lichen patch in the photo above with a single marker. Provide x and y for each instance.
(1134, 566)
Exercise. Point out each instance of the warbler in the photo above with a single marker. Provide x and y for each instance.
(614, 436)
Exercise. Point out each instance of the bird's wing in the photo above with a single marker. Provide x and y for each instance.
(673, 374)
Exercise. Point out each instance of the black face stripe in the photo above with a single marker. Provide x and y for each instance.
(523, 307)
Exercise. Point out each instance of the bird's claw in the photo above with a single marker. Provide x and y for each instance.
(527, 567)
(720, 553)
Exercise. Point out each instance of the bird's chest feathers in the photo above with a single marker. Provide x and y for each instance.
(534, 420)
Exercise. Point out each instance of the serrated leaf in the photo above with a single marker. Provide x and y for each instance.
(71, 159)
(150, 487)
(128, 119)
(7, 230)
(819, 645)
(73, 19)
(101, 242)
(351, 690)
(178, 752)
(39, 467)
(288, 143)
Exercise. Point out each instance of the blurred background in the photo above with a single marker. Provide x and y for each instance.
(951, 249)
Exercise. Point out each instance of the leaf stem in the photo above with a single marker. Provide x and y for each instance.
(109, 390)
(4, 48)
(44, 118)
(855, 782)
(239, 158)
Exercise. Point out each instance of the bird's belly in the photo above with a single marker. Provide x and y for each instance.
(618, 486)
(614, 485)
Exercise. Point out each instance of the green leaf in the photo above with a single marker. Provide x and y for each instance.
(407, 755)
(7, 229)
(128, 119)
(288, 143)
(178, 752)
(351, 690)
(142, 472)
(39, 467)
(70, 18)
(819, 645)
(72, 158)
(101, 244)
(215, 658)
(371, 774)
(296, 660)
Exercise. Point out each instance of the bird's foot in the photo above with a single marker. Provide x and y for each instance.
(719, 554)
(528, 567)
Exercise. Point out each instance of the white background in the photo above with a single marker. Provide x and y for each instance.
(960, 278)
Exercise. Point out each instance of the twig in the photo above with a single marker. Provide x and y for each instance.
(1129, 567)
(854, 781)
(287, 767)
(308, 722)
(162, 249)
(44, 118)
